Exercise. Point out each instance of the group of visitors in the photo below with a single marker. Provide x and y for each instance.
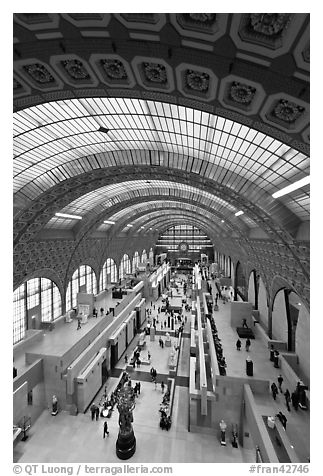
(136, 361)
(247, 345)
(297, 398)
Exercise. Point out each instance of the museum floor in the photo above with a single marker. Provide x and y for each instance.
(72, 439)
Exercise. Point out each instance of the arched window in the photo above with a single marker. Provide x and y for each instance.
(144, 256)
(19, 317)
(240, 282)
(109, 268)
(135, 261)
(83, 281)
(125, 266)
(40, 296)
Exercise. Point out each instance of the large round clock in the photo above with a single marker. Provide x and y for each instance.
(183, 246)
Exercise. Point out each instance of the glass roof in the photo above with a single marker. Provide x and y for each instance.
(102, 198)
(154, 219)
(58, 140)
(152, 216)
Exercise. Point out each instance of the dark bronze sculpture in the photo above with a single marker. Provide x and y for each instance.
(126, 442)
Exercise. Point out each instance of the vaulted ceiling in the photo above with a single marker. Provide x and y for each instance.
(152, 119)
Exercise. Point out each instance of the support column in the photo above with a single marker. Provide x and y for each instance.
(270, 320)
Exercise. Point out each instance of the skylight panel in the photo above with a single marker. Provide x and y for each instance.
(167, 110)
(259, 152)
(22, 120)
(27, 118)
(190, 131)
(223, 139)
(46, 114)
(174, 111)
(251, 134)
(62, 110)
(189, 115)
(237, 144)
(259, 137)
(159, 109)
(130, 107)
(114, 105)
(274, 146)
(36, 119)
(220, 123)
(267, 142)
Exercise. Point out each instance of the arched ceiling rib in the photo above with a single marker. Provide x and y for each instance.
(159, 223)
(114, 231)
(152, 220)
(102, 199)
(181, 205)
(60, 140)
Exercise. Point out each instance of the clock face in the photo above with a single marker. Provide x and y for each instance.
(183, 246)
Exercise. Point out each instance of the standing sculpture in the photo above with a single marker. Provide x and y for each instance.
(126, 442)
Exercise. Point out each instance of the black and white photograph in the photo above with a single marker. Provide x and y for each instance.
(161, 238)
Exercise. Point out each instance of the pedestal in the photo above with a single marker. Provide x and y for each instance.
(249, 368)
(223, 442)
(272, 355)
(168, 343)
(126, 445)
(168, 321)
(276, 361)
(172, 324)
(84, 319)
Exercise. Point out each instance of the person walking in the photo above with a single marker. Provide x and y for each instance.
(238, 344)
(295, 400)
(282, 419)
(138, 387)
(149, 356)
(287, 399)
(78, 324)
(244, 323)
(162, 386)
(276, 359)
(274, 390)
(280, 382)
(105, 429)
(248, 343)
(97, 413)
